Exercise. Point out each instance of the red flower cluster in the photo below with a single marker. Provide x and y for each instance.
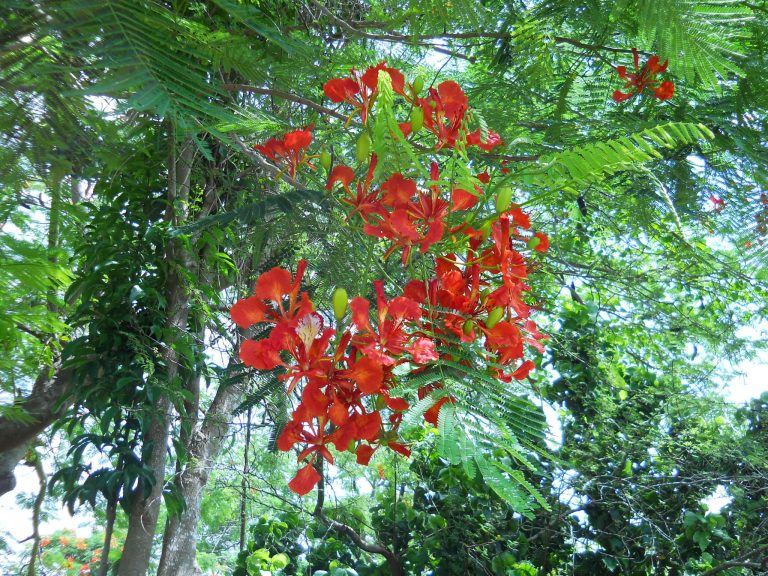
(343, 375)
(288, 151)
(398, 211)
(343, 379)
(444, 108)
(644, 78)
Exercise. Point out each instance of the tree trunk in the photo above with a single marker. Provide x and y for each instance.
(107, 546)
(180, 539)
(145, 509)
(244, 482)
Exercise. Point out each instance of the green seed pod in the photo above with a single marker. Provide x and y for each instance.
(325, 159)
(418, 85)
(417, 119)
(533, 242)
(363, 147)
(494, 316)
(340, 301)
(468, 327)
(503, 199)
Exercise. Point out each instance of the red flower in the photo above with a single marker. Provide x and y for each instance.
(644, 78)
(361, 90)
(523, 370)
(475, 139)
(368, 374)
(543, 242)
(364, 453)
(290, 150)
(665, 91)
(365, 202)
(444, 111)
(340, 173)
(390, 338)
(341, 89)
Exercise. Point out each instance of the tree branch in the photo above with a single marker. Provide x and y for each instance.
(741, 561)
(393, 560)
(43, 405)
(285, 96)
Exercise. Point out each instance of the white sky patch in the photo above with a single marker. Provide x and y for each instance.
(718, 500)
(752, 378)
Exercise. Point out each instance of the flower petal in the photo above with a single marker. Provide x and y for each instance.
(306, 479)
(274, 284)
(248, 311)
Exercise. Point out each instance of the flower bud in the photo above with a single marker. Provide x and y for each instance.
(325, 159)
(417, 119)
(533, 241)
(468, 327)
(418, 85)
(363, 147)
(340, 301)
(486, 229)
(494, 316)
(503, 199)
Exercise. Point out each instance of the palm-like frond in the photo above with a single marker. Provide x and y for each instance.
(699, 38)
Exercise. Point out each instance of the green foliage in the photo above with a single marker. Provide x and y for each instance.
(645, 291)
(581, 166)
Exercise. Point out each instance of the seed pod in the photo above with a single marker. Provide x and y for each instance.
(494, 316)
(363, 147)
(503, 199)
(325, 159)
(533, 242)
(468, 327)
(418, 85)
(340, 301)
(417, 119)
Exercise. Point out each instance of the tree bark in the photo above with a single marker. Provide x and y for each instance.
(47, 401)
(180, 539)
(145, 508)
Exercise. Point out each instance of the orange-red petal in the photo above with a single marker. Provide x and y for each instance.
(341, 89)
(368, 426)
(274, 284)
(368, 374)
(340, 173)
(364, 453)
(306, 479)
(665, 91)
(248, 311)
(260, 354)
